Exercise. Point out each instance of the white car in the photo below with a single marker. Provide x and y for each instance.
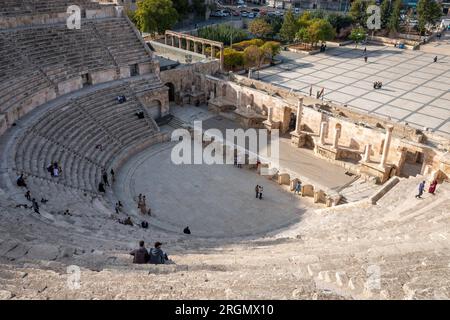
(244, 14)
(242, 6)
(297, 10)
(251, 15)
(240, 2)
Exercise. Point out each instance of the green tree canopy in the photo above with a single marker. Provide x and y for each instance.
(320, 30)
(428, 11)
(358, 11)
(393, 24)
(155, 16)
(260, 28)
(358, 34)
(385, 11)
(289, 27)
(253, 56)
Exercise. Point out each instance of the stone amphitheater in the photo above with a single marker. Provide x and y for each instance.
(357, 232)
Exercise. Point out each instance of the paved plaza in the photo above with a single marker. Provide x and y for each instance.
(415, 89)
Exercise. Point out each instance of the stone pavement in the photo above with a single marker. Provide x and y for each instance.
(415, 89)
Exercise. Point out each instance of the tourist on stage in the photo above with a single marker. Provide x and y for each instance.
(187, 230)
(101, 187)
(298, 187)
(21, 181)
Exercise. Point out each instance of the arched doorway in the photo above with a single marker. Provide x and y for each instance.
(154, 109)
(171, 87)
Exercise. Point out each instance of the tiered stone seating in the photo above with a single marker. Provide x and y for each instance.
(70, 134)
(18, 79)
(33, 7)
(60, 52)
(122, 41)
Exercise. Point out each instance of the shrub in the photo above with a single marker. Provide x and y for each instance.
(222, 33)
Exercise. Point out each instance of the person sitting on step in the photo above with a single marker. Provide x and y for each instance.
(157, 255)
(140, 255)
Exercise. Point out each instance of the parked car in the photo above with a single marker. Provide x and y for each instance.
(297, 10)
(251, 15)
(236, 13)
(255, 10)
(242, 6)
(244, 14)
(240, 2)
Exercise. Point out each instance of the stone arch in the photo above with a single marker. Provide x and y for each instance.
(171, 87)
(154, 109)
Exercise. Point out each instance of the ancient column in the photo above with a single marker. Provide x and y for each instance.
(323, 127)
(387, 145)
(195, 47)
(250, 71)
(173, 40)
(165, 39)
(179, 42)
(221, 59)
(337, 133)
(203, 48)
(367, 153)
(188, 45)
(299, 115)
(269, 114)
(213, 52)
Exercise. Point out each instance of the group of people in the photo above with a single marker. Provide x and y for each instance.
(21, 182)
(431, 188)
(377, 85)
(55, 169)
(259, 190)
(154, 256)
(142, 205)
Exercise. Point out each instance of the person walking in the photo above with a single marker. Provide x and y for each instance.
(421, 189)
(432, 188)
(143, 206)
(435, 59)
(257, 191)
(35, 206)
(365, 58)
(260, 192)
(113, 176)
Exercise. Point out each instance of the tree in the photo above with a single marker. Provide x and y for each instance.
(428, 11)
(199, 7)
(358, 11)
(320, 30)
(260, 28)
(289, 27)
(155, 16)
(385, 11)
(358, 34)
(393, 24)
(232, 59)
(302, 35)
(339, 21)
(253, 56)
(271, 49)
(182, 7)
